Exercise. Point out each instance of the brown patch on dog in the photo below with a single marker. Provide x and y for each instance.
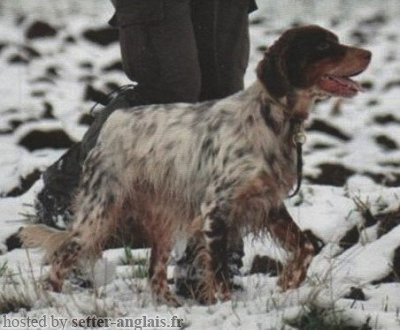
(284, 229)
(253, 200)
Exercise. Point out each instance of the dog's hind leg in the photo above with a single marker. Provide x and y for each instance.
(93, 227)
(282, 227)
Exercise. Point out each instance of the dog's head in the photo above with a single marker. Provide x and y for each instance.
(311, 58)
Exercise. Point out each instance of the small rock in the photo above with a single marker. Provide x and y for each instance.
(367, 85)
(43, 80)
(335, 21)
(359, 37)
(257, 21)
(114, 66)
(350, 238)
(369, 219)
(30, 51)
(40, 29)
(20, 19)
(88, 78)
(394, 275)
(356, 294)
(102, 36)
(322, 126)
(375, 20)
(52, 71)
(386, 119)
(262, 49)
(55, 138)
(391, 84)
(18, 59)
(5, 131)
(321, 146)
(386, 143)
(373, 102)
(86, 65)
(48, 111)
(13, 242)
(111, 86)
(391, 179)
(70, 40)
(95, 95)
(388, 221)
(332, 174)
(265, 265)
(25, 184)
(2, 45)
(38, 93)
(396, 264)
(15, 123)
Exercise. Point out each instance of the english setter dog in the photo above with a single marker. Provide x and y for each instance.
(209, 170)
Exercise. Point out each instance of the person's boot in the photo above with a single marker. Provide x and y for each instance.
(188, 271)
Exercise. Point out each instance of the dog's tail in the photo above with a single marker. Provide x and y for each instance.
(44, 237)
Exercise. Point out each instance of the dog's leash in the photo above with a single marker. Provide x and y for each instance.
(299, 138)
(110, 96)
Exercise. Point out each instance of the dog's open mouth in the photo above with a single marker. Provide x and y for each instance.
(339, 86)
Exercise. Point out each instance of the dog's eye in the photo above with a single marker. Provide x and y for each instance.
(323, 46)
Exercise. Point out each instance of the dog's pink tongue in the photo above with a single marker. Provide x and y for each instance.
(340, 86)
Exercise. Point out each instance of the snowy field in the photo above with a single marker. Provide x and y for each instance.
(350, 199)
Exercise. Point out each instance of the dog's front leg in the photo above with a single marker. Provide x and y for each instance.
(282, 227)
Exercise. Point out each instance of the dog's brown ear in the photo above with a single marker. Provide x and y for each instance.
(272, 71)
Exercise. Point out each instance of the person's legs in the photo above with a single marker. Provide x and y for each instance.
(159, 50)
(222, 36)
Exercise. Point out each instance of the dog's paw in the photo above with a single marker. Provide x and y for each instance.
(169, 299)
(51, 284)
(291, 278)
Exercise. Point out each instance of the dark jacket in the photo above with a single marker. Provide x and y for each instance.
(154, 5)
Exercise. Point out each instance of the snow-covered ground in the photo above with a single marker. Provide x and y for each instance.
(350, 198)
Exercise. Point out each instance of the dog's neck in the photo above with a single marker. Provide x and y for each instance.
(294, 107)
(268, 118)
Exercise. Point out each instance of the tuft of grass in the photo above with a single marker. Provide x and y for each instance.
(12, 303)
(127, 258)
(13, 296)
(139, 265)
(140, 271)
(3, 268)
(316, 318)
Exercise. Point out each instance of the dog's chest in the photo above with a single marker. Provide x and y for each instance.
(281, 166)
